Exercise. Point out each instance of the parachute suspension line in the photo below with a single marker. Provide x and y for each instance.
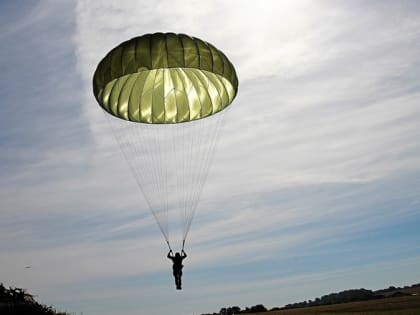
(183, 173)
(166, 180)
(150, 172)
(141, 168)
(214, 126)
(169, 180)
(209, 156)
(179, 165)
(188, 147)
(169, 154)
(141, 173)
(161, 181)
(195, 135)
(119, 140)
(199, 135)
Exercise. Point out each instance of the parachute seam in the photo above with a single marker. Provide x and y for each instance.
(227, 93)
(166, 50)
(135, 55)
(108, 109)
(206, 44)
(110, 67)
(183, 50)
(198, 52)
(198, 76)
(176, 100)
(218, 93)
(223, 61)
(119, 96)
(143, 91)
(186, 92)
(123, 48)
(113, 92)
(196, 91)
(228, 69)
(131, 95)
(150, 40)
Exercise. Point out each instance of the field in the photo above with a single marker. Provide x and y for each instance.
(404, 305)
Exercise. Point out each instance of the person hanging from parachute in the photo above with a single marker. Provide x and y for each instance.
(165, 91)
(177, 266)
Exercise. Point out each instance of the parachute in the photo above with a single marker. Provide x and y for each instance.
(165, 94)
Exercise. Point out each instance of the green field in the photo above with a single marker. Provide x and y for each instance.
(405, 305)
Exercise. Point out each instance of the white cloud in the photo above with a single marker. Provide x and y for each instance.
(318, 147)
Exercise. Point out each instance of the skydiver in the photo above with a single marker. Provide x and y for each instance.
(177, 266)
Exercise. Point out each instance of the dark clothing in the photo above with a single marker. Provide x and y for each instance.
(177, 267)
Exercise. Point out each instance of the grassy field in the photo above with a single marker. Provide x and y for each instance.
(405, 305)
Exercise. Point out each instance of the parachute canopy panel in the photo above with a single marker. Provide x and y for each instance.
(164, 78)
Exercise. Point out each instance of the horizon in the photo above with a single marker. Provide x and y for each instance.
(314, 184)
(288, 306)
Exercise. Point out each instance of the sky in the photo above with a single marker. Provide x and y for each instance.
(314, 187)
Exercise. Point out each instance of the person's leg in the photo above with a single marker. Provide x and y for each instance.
(176, 278)
(179, 277)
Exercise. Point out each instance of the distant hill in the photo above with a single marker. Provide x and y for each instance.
(16, 301)
(347, 296)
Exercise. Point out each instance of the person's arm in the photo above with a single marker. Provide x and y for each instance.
(184, 254)
(169, 254)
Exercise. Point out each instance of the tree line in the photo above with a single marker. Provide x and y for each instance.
(237, 310)
(16, 301)
(345, 296)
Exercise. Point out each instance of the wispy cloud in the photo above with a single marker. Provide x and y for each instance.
(319, 153)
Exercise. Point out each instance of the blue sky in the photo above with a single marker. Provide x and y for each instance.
(315, 183)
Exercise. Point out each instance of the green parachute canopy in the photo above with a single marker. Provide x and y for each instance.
(153, 83)
(164, 78)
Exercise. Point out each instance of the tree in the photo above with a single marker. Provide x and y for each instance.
(258, 308)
